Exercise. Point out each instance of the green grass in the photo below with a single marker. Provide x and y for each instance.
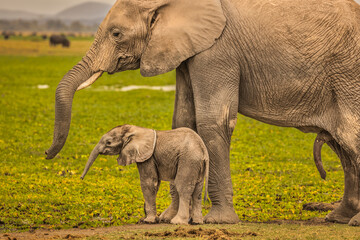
(273, 172)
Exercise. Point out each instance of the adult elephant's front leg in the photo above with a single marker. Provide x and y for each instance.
(184, 116)
(216, 107)
(184, 109)
(215, 128)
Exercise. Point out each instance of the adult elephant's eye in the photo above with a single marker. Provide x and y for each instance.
(116, 34)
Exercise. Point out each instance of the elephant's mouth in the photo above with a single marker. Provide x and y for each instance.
(125, 62)
(116, 68)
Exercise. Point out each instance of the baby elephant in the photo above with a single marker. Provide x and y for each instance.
(177, 155)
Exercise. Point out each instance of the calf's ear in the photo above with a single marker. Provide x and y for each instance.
(138, 147)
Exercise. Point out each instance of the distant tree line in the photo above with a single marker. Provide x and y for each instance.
(46, 25)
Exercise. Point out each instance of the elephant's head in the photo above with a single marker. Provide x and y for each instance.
(153, 35)
(133, 144)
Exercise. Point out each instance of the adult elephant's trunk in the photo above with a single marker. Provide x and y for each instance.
(80, 76)
(94, 154)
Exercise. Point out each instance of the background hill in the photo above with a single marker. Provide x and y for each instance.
(87, 13)
(13, 15)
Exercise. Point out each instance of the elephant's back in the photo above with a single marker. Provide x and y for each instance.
(181, 141)
(273, 11)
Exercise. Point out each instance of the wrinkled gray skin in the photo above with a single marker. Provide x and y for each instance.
(59, 39)
(291, 63)
(178, 156)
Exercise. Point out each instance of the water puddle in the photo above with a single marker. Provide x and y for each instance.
(167, 88)
(42, 86)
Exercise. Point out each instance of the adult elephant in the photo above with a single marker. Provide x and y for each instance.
(291, 63)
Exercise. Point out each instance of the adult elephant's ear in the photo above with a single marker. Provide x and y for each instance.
(139, 145)
(180, 29)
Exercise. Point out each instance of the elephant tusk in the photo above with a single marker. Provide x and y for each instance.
(90, 81)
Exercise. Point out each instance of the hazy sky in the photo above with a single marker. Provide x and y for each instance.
(48, 6)
(44, 6)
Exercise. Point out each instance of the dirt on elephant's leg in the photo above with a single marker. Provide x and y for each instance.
(349, 209)
(220, 185)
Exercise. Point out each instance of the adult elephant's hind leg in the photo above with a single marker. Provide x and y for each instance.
(184, 116)
(349, 209)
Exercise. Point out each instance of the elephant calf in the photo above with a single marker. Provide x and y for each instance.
(177, 155)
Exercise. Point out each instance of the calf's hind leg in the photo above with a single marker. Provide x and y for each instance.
(196, 214)
(185, 183)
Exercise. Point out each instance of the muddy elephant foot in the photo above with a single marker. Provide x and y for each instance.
(220, 214)
(355, 220)
(196, 220)
(179, 220)
(342, 215)
(150, 220)
(167, 215)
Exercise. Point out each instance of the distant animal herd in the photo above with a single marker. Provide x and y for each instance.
(54, 38)
(59, 39)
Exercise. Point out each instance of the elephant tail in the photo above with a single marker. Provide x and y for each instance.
(321, 138)
(206, 178)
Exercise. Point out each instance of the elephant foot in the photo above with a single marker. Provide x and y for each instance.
(167, 215)
(355, 221)
(178, 220)
(220, 214)
(196, 221)
(150, 220)
(343, 215)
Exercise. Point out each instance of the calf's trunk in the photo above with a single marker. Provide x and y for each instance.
(94, 154)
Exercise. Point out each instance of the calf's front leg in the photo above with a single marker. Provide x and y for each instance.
(172, 210)
(150, 184)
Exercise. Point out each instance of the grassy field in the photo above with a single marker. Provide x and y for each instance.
(273, 172)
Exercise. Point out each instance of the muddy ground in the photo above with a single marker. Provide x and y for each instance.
(164, 231)
(146, 231)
